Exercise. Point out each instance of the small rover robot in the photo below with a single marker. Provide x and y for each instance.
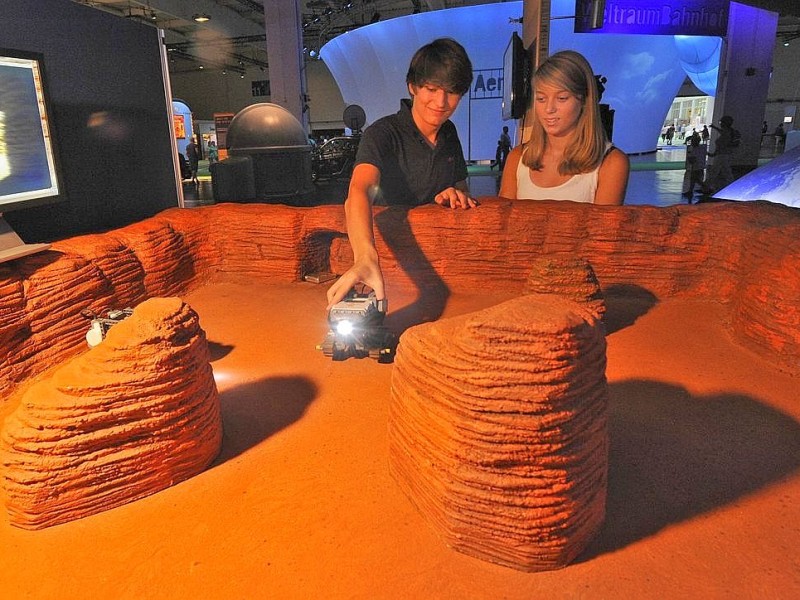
(356, 329)
(100, 325)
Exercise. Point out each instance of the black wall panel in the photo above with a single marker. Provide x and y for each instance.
(109, 116)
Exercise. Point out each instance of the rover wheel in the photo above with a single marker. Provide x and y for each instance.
(386, 356)
(327, 347)
(339, 352)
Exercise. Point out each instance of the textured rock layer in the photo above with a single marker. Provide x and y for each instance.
(498, 429)
(741, 255)
(569, 277)
(133, 415)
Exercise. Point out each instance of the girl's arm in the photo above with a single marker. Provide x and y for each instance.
(508, 183)
(613, 178)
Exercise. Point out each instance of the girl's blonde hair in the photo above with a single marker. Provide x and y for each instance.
(570, 71)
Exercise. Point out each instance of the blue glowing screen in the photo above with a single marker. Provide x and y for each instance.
(777, 181)
(27, 165)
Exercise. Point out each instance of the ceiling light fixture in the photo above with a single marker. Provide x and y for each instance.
(201, 17)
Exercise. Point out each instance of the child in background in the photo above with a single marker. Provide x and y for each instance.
(213, 152)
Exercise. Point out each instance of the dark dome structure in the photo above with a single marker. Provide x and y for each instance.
(270, 158)
(265, 126)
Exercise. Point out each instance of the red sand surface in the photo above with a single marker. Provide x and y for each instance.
(703, 498)
(703, 338)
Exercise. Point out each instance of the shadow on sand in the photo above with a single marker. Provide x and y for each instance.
(674, 456)
(625, 304)
(432, 292)
(253, 412)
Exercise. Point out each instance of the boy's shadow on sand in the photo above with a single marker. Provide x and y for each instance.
(397, 234)
(674, 456)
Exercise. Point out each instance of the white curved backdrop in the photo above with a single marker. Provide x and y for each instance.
(644, 72)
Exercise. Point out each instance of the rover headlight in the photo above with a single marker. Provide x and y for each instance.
(344, 327)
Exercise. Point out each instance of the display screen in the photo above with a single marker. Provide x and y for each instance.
(516, 79)
(28, 166)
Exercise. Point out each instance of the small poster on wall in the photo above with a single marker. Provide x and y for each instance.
(221, 123)
(179, 122)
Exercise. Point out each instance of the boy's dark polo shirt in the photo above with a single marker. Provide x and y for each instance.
(412, 172)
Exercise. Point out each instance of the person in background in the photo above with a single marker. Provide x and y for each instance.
(705, 134)
(193, 157)
(503, 148)
(213, 152)
(720, 173)
(780, 136)
(695, 167)
(411, 158)
(568, 156)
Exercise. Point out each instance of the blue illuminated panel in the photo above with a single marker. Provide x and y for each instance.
(777, 181)
(659, 17)
(27, 162)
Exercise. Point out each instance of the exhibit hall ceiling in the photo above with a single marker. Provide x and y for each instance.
(237, 27)
(230, 34)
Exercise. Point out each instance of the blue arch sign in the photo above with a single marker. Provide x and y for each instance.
(655, 17)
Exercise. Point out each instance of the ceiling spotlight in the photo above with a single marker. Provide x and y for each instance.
(201, 17)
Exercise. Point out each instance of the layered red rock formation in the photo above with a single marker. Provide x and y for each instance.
(133, 415)
(719, 252)
(498, 429)
(569, 277)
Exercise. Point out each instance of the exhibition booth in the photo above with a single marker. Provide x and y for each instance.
(644, 65)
